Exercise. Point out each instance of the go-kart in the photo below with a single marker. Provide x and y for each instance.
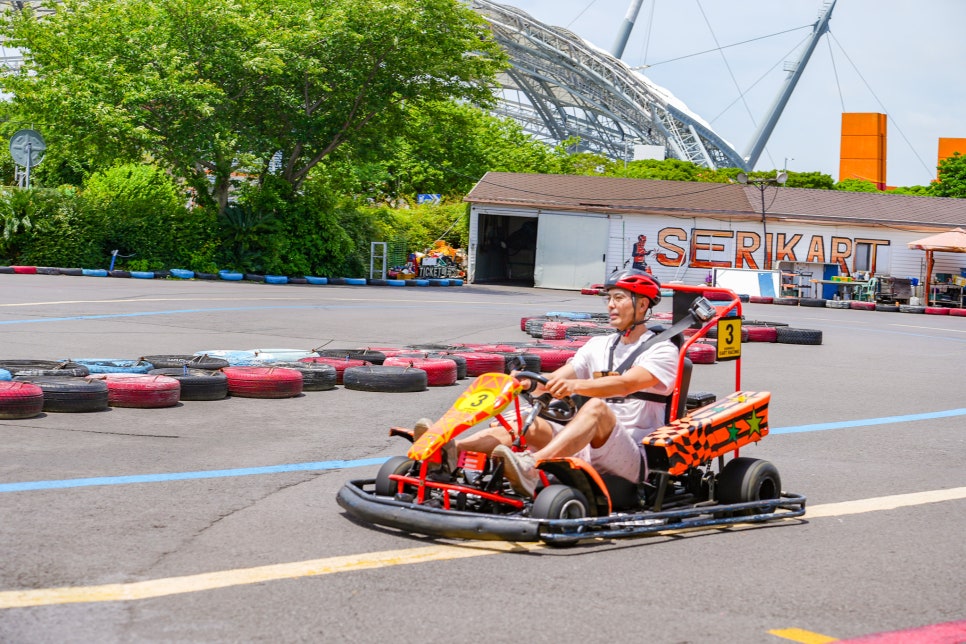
(695, 478)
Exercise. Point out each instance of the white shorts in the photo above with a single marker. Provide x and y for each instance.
(620, 455)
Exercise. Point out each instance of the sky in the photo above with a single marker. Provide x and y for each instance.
(897, 57)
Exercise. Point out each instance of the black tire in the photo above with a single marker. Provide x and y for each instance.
(7, 270)
(47, 270)
(297, 280)
(889, 308)
(785, 301)
(908, 308)
(197, 384)
(560, 502)
(316, 376)
(746, 479)
(385, 379)
(253, 277)
(193, 362)
(762, 323)
(395, 465)
(459, 360)
(377, 282)
(375, 357)
(119, 273)
(205, 276)
(70, 395)
(37, 368)
(790, 335)
(338, 281)
(74, 272)
(815, 302)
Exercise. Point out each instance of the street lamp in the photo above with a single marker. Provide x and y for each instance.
(762, 183)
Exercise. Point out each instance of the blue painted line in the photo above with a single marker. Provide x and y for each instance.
(365, 462)
(867, 422)
(184, 476)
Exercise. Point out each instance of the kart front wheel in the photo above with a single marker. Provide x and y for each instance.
(560, 502)
(396, 465)
(748, 479)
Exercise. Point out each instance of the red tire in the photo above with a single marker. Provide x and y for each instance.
(25, 270)
(761, 333)
(480, 363)
(20, 400)
(340, 365)
(960, 313)
(264, 382)
(862, 306)
(551, 359)
(590, 291)
(702, 353)
(937, 310)
(140, 390)
(553, 331)
(439, 372)
(761, 299)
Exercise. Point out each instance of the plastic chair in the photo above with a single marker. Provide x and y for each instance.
(867, 291)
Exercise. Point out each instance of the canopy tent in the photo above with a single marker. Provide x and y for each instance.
(951, 241)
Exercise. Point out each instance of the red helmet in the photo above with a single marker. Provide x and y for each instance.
(635, 281)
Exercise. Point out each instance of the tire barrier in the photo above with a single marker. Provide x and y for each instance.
(316, 376)
(20, 400)
(102, 365)
(339, 364)
(263, 382)
(203, 361)
(790, 335)
(66, 369)
(196, 384)
(140, 390)
(70, 395)
(701, 353)
(369, 355)
(439, 372)
(385, 378)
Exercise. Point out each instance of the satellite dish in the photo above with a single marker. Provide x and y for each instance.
(782, 177)
(27, 148)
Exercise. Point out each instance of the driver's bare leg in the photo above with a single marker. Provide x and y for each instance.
(592, 425)
(486, 439)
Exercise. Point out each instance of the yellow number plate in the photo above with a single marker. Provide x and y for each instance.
(729, 338)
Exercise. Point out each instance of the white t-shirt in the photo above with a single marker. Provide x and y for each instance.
(641, 417)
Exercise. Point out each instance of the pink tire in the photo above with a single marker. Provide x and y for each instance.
(140, 390)
(264, 382)
(439, 372)
(20, 400)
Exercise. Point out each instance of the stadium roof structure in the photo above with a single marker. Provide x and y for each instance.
(560, 87)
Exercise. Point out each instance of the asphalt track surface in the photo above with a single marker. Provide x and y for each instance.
(217, 521)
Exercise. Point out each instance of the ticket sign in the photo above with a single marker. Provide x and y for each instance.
(729, 338)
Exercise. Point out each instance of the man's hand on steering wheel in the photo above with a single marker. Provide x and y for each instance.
(551, 407)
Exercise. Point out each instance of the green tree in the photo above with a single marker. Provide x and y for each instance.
(952, 177)
(856, 185)
(213, 87)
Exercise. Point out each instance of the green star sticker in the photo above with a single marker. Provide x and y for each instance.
(733, 430)
(754, 421)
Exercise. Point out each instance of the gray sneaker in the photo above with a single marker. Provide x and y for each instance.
(520, 468)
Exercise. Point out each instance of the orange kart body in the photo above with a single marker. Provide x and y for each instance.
(694, 439)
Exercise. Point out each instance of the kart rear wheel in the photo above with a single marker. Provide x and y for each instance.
(746, 479)
(560, 502)
(395, 465)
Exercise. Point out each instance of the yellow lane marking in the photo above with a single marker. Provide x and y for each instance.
(885, 503)
(364, 561)
(804, 637)
(244, 576)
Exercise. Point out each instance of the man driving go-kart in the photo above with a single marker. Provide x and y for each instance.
(625, 381)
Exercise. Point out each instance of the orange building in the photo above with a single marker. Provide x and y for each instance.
(948, 147)
(863, 151)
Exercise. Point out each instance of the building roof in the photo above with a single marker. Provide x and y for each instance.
(688, 199)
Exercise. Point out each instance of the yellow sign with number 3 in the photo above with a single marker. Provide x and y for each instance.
(729, 338)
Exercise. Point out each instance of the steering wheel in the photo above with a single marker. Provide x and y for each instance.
(558, 410)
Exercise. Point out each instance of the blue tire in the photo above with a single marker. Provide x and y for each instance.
(230, 276)
(422, 282)
(276, 279)
(100, 365)
(395, 282)
(94, 272)
(318, 281)
(356, 281)
(143, 275)
(5, 375)
(182, 274)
